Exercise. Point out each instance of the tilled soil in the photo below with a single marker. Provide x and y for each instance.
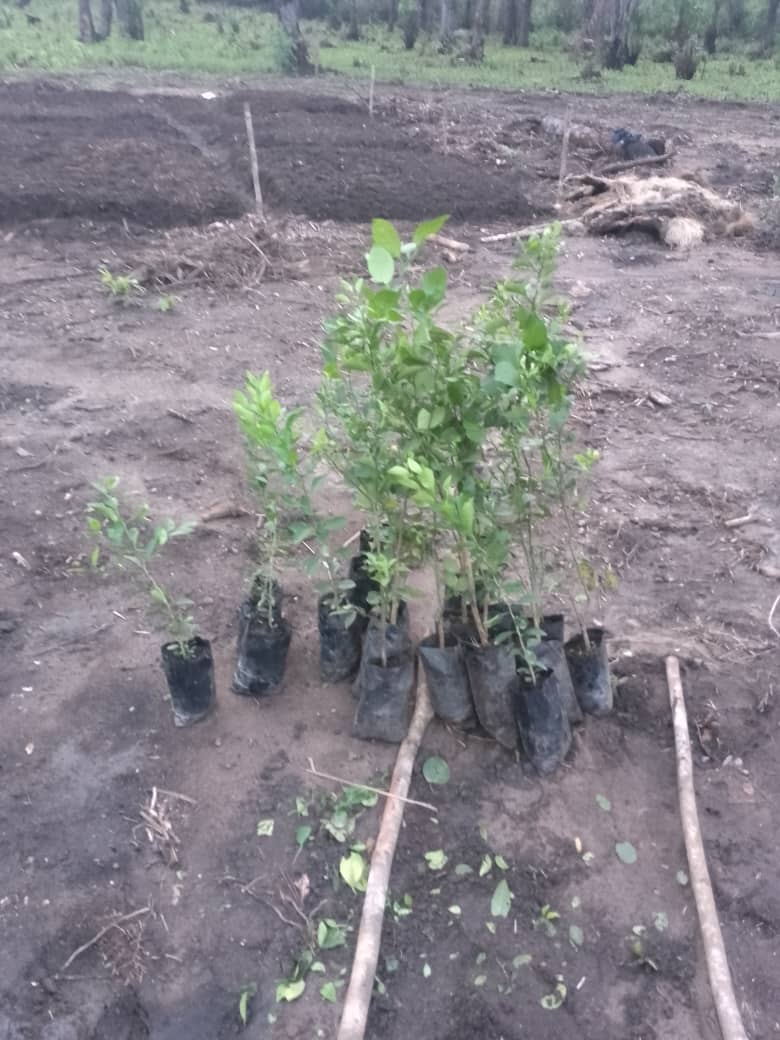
(89, 387)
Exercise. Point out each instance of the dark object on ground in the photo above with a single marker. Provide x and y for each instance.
(388, 641)
(541, 720)
(448, 682)
(340, 641)
(262, 650)
(589, 667)
(629, 145)
(550, 654)
(493, 677)
(190, 677)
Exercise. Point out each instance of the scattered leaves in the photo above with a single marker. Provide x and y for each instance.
(454, 910)
(501, 863)
(576, 935)
(289, 990)
(436, 859)
(626, 852)
(302, 835)
(265, 828)
(480, 980)
(328, 992)
(521, 960)
(435, 770)
(330, 934)
(501, 903)
(462, 869)
(603, 802)
(353, 870)
(486, 865)
(426, 970)
(555, 999)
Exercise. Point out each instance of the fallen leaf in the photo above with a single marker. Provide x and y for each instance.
(626, 852)
(501, 903)
(661, 921)
(682, 877)
(480, 980)
(603, 802)
(265, 828)
(436, 859)
(486, 865)
(462, 869)
(435, 770)
(576, 935)
(426, 970)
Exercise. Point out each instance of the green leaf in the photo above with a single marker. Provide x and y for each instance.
(434, 283)
(480, 980)
(501, 863)
(435, 770)
(535, 333)
(462, 869)
(318, 968)
(555, 999)
(383, 234)
(391, 965)
(380, 265)
(501, 903)
(302, 835)
(265, 828)
(328, 992)
(486, 865)
(436, 859)
(521, 960)
(289, 990)
(330, 934)
(426, 970)
(353, 870)
(423, 420)
(603, 802)
(94, 557)
(576, 935)
(301, 806)
(505, 373)
(427, 228)
(626, 852)
(243, 1005)
(661, 921)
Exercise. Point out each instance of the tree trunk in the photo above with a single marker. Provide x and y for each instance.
(736, 16)
(106, 17)
(130, 17)
(524, 23)
(510, 23)
(86, 25)
(616, 43)
(353, 30)
(711, 32)
(288, 16)
(476, 51)
(392, 14)
(445, 25)
(771, 23)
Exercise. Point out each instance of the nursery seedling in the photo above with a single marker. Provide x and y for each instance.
(131, 541)
(546, 919)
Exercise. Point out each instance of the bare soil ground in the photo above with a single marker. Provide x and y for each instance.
(88, 388)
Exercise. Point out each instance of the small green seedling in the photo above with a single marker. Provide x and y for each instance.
(546, 919)
(120, 287)
(166, 304)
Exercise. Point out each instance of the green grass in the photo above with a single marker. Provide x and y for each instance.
(249, 44)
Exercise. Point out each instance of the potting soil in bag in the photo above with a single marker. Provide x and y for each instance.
(190, 678)
(542, 721)
(448, 682)
(493, 677)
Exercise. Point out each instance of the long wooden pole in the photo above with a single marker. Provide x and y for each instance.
(714, 950)
(250, 134)
(361, 982)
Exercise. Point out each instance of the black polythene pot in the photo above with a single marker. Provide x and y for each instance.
(190, 679)
(340, 643)
(262, 649)
(397, 641)
(492, 676)
(542, 721)
(550, 654)
(385, 690)
(448, 682)
(589, 668)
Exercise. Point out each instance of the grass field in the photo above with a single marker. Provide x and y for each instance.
(244, 42)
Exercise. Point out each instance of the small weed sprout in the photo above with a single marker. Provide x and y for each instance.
(120, 287)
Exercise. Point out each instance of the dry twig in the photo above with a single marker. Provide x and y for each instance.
(104, 931)
(367, 787)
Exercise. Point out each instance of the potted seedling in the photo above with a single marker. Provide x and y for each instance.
(340, 619)
(272, 440)
(131, 541)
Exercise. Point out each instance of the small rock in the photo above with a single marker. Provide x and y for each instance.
(662, 400)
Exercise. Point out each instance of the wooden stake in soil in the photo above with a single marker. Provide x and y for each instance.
(714, 951)
(250, 134)
(564, 155)
(361, 983)
(371, 92)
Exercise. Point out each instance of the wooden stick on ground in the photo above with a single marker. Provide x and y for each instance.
(361, 983)
(250, 134)
(772, 617)
(714, 951)
(530, 231)
(371, 92)
(104, 931)
(367, 787)
(630, 164)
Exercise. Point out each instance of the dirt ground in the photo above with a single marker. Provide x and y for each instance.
(89, 388)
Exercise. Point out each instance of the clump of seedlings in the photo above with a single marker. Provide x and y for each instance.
(131, 541)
